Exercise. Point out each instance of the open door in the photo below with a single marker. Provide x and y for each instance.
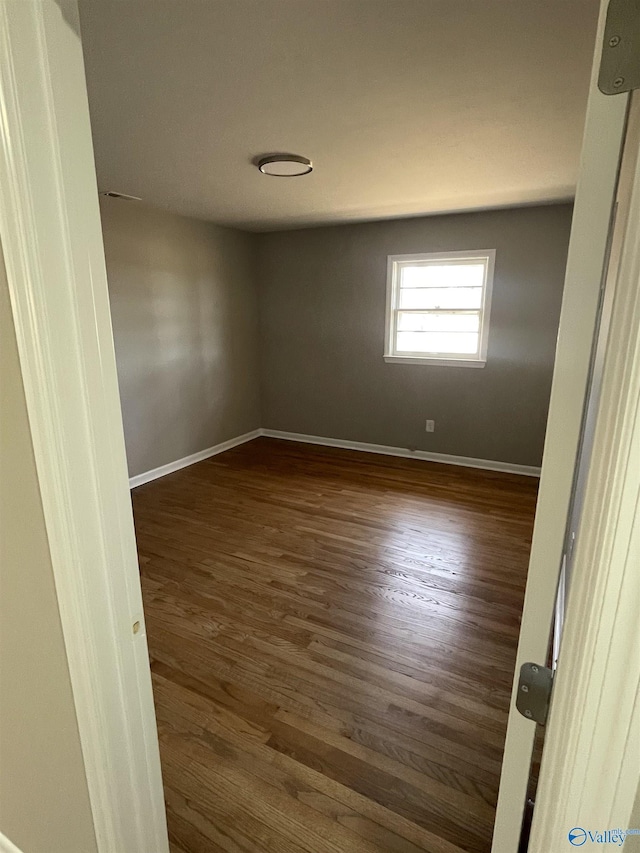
(590, 775)
(594, 255)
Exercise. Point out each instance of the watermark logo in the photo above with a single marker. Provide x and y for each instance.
(579, 836)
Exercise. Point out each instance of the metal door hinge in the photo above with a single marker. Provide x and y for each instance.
(620, 60)
(534, 692)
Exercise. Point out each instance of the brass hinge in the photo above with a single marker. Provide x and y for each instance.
(620, 59)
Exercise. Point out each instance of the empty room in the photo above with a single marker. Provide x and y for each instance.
(336, 235)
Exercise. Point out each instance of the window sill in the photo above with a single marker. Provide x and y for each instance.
(442, 362)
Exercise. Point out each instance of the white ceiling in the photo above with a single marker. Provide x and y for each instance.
(406, 107)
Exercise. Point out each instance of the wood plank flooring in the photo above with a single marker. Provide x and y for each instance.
(333, 638)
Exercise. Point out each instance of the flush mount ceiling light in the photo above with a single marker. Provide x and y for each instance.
(285, 165)
(114, 194)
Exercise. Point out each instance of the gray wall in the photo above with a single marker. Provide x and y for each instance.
(185, 322)
(44, 801)
(322, 302)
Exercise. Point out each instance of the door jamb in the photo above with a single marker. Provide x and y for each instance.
(594, 202)
(54, 256)
(590, 769)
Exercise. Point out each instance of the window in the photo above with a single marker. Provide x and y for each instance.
(438, 308)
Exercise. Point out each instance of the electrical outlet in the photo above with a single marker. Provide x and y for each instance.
(431, 426)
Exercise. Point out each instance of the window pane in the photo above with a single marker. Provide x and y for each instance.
(434, 322)
(442, 275)
(441, 343)
(441, 297)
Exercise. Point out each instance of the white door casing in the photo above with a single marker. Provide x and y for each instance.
(591, 761)
(595, 194)
(52, 241)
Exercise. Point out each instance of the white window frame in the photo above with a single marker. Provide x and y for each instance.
(394, 265)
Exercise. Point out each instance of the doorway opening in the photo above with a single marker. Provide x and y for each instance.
(332, 627)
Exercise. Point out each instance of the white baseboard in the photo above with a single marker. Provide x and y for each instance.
(7, 846)
(385, 450)
(465, 461)
(170, 467)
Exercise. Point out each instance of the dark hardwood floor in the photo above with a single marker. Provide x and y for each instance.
(333, 638)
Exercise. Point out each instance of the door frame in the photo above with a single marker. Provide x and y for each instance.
(590, 770)
(54, 256)
(589, 242)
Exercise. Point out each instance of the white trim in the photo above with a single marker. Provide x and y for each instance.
(441, 362)
(588, 244)
(591, 762)
(383, 449)
(394, 265)
(7, 846)
(406, 453)
(54, 256)
(170, 467)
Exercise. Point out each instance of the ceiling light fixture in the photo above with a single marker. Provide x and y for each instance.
(113, 194)
(285, 165)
